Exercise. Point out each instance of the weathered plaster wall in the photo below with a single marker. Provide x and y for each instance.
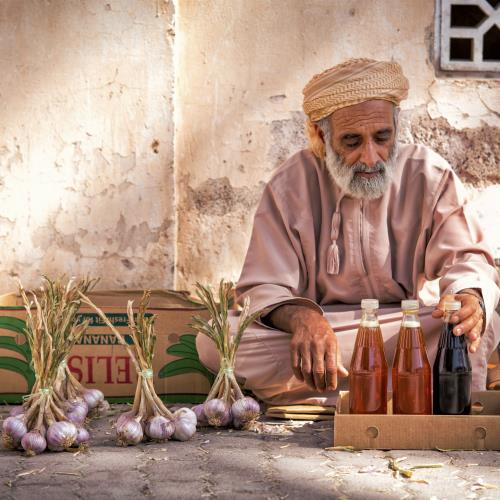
(86, 141)
(241, 67)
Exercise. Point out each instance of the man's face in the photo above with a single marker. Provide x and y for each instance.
(362, 148)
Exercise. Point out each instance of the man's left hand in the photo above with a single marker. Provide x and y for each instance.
(469, 318)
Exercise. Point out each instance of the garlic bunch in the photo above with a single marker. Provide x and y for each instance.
(149, 417)
(50, 417)
(225, 403)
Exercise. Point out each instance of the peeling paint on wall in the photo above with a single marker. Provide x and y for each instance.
(474, 153)
(218, 198)
(287, 137)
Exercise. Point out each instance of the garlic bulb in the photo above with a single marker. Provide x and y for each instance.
(124, 417)
(245, 409)
(186, 414)
(217, 412)
(82, 436)
(226, 419)
(129, 432)
(76, 411)
(184, 430)
(33, 443)
(201, 418)
(93, 397)
(159, 428)
(61, 435)
(16, 411)
(14, 429)
(185, 424)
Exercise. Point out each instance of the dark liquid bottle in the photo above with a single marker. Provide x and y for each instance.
(368, 371)
(411, 370)
(452, 370)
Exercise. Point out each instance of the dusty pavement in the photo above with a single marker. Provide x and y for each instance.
(286, 461)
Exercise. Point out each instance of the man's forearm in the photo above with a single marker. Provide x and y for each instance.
(289, 317)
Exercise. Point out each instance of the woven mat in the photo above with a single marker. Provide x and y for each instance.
(301, 412)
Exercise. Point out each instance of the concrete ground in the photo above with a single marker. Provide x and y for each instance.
(283, 460)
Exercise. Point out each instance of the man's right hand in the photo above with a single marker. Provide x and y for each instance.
(315, 354)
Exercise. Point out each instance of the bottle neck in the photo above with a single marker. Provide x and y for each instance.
(369, 318)
(448, 339)
(447, 316)
(411, 319)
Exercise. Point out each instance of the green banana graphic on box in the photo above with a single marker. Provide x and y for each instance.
(22, 367)
(189, 361)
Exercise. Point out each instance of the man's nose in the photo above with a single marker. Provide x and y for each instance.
(369, 155)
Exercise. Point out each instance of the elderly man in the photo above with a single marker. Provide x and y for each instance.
(357, 216)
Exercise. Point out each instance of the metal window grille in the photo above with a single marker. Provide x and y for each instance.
(470, 35)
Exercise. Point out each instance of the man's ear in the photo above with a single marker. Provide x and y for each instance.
(397, 109)
(319, 132)
(316, 139)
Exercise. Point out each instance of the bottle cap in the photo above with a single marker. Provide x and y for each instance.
(408, 305)
(452, 305)
(369, 304)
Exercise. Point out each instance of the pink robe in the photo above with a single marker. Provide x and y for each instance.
(390, 248)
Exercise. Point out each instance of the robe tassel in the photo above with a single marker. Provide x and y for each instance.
(333, 258)
(333, 262)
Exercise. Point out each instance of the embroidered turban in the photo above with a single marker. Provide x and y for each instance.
(352, 82)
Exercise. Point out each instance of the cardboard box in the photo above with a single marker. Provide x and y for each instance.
(98, 361)
(479, 431)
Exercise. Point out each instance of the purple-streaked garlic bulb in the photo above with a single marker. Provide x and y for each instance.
(245, 409)
(216, 411)
(185, 424)
(16, 411)
(61, 436)
(186, 414)
(129, 431)
(201, 418)
(76, 411)
(124, 417)
(13, 429)
(82, 437)
(159, 428)
(33, 443)
(227, 419)
(93, 397)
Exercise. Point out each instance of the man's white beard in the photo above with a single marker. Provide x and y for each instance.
(358, 186)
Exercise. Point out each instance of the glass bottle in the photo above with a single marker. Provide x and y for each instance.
(368, 370)
(411, 370)
(452, 371)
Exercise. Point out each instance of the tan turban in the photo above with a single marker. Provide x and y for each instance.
(352, 82)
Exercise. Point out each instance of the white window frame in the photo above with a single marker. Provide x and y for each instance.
(476, 34)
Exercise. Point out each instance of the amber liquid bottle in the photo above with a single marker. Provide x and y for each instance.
(452, 370)
(368, 371)
(411, 370)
